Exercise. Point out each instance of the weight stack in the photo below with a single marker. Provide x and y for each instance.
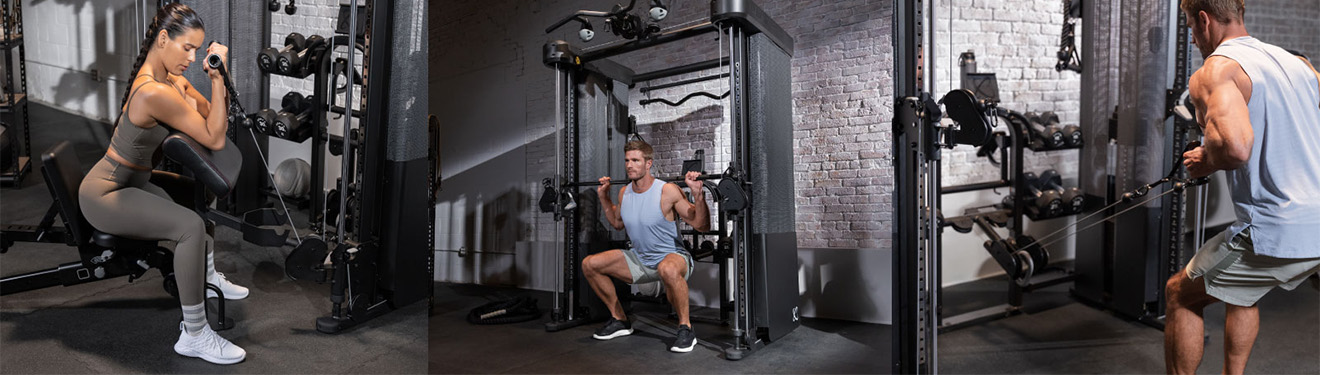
(601, 113)
(405, 169)
(773, 241)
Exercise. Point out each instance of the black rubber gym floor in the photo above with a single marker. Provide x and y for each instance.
(1054, 335)
(113, 326)
(819, 346)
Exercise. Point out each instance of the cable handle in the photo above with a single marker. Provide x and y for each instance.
(214, 61)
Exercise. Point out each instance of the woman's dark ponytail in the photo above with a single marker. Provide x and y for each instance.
(174, 18)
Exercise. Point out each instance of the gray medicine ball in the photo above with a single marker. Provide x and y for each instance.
(293, 177)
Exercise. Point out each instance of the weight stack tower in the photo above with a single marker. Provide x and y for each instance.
(395, 167)
(773, 241)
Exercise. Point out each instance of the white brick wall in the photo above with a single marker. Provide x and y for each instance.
(65, 42)
(840, 92)
(105, 36)
(1017, 40)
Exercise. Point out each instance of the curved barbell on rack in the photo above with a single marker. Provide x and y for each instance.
(685, 98)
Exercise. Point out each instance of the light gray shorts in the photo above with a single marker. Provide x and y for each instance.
(642, 274)
(1235, 274)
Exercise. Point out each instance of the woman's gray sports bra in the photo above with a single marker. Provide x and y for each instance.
(136, 144)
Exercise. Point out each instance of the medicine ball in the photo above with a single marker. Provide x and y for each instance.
(293, 178)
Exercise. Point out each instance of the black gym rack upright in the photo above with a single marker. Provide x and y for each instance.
(14, 100)
(764, 238)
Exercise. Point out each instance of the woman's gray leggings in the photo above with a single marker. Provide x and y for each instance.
(124, 202)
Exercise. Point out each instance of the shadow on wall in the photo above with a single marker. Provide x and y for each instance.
(848, 284)
(675, 141)
(76, 85)
(495, 227)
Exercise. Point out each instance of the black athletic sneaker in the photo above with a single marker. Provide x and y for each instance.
(613, 328)
(685, 341)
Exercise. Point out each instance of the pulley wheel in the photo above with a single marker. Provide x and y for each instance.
(304, 262)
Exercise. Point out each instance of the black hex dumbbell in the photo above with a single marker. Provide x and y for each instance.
(267, 58)
(291, 121)
(264, 121)
(1073, 199)
(1048, 133)
(293, 62)
(1047, 201)
(1072, 134)
(294, 101)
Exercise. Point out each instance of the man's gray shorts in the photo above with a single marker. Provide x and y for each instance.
(1235, 274)
(642, 274)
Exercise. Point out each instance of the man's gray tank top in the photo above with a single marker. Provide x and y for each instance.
(652, 235)
(1277, 193)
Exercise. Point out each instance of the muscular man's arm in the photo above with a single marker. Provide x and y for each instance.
(1222, 107)
(696, 214)
(610, 209)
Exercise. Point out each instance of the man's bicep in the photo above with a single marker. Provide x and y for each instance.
(681, 205)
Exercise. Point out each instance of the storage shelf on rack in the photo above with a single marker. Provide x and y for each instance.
(5, 106)
(6, 42)
(1041, 148)
(14, 103)
(299, 203)
(1034, 213)
(15, 173)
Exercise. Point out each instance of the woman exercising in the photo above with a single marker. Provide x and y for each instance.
(117, 196)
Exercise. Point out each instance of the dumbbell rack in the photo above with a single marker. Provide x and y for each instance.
(1010, 175)
(14, 101)
(318, 130)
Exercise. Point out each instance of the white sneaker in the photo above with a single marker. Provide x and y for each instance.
(209, 346)
(232, 291)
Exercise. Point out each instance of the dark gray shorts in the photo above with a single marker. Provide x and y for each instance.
(1235, 274)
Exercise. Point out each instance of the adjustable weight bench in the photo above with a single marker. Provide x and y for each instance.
(103, 255)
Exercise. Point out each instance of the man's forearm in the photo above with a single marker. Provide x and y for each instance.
(610, 210)
(703, 212)
(1218, 154)
(218, 125)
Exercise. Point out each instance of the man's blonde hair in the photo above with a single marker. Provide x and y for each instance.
(1224, 11)
(640, 145)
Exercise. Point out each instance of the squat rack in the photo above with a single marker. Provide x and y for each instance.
(757, 64)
